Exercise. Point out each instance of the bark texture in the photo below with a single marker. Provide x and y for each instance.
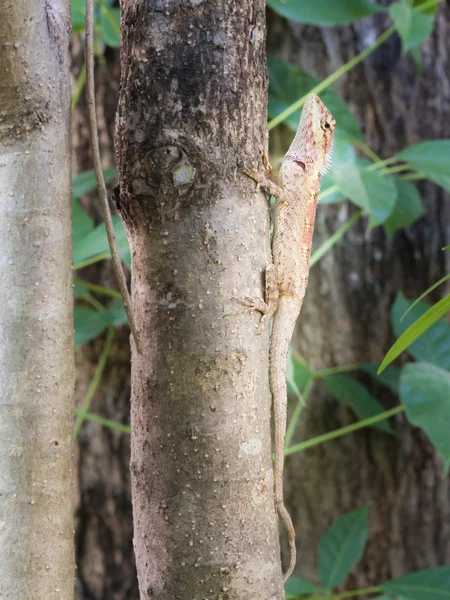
(36, 316)
(191, 114)
(350, 294)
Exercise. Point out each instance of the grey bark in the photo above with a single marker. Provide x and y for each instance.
(350, 293)
(36, 317)
(191, 114)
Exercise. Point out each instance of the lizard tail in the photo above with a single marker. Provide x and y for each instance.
(283, 326)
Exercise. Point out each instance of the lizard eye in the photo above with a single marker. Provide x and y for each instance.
(325, 125)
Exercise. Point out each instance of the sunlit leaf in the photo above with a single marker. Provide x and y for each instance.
(96, 242)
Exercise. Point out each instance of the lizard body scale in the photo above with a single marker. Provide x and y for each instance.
(287, 277)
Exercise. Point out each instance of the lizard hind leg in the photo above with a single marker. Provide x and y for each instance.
(268, 307)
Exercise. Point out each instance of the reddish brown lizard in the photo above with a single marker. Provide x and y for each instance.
(287, 278)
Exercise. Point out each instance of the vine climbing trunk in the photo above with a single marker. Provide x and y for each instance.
(192, 113)
(36, 298)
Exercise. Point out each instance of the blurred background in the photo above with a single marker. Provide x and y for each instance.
(382, 222)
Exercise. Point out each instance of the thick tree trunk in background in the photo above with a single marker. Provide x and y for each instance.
(36, 316)
(191, 114)
(346, 314)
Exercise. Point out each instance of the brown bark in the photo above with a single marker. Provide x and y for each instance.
(349, 295)
(191, 114)
(36, 303)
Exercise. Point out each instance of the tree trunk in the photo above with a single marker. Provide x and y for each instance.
(37, 372)
(346, 314)
(191, 114)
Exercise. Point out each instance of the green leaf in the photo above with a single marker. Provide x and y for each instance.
(407, 209)
(89, 323)
(116, 314)
(425, 393)
(85, 182)
(423, 331)
(413, 27)
(79, 291)
(431, 158)
(390, 377)
(356, 396)
(110, 26)
(288, 83)
(323, 12)
(369, 190)
(342, 546)
(78, 15)
(426, 292)
(88, 416)
(96, 242)
(82, 223)
(297, 374)
(295, 586)
(433, 584)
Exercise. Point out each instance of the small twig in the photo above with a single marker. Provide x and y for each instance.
(106, 212)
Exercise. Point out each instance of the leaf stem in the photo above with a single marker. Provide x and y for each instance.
(339, 369)
(88, 416)
(302, 399)
(95, 381)
(320, 439)
(91, 261)
(332, 240)
(97, 288)
(79, 85)
(320, 87)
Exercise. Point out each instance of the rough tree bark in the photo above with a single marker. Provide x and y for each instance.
(36, 342)
(191, 114)
(350, 293)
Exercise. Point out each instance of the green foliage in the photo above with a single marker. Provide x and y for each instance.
(407, 208)
(288, 83)
(342, 546)
(89, 323)
(390, 377)
(356, 396)
(430, 158)
(323, 12)
(413, 26)
(433, 584)
(106, 20)
(422, 330)
(85, 182)
(425, 393)
(295, 587)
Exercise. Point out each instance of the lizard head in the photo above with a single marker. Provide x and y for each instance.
(312, 145)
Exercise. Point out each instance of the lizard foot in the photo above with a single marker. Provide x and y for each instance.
(251, 304)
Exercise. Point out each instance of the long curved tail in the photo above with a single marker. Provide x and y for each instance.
(283, 327)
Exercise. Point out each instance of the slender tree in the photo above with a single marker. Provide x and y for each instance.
(191, 115)
(36, 322)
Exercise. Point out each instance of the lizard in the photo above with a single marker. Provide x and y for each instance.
(287, 277)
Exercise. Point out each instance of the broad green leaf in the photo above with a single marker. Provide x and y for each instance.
(288, 83)
(423, 331)
(407, 209)
(297, 374)
(431, 158)
(116, 314)
(356, 396)
(343, 154)
(369, 190)
(85, 182)
(96, 243)
(324, 12)
(342, 547)
(390, 377)
(78, 15)
(425, 393)
(413, 27)
(89, 323)
(79, 291)
(82, 223)
(110, 26)
(433, 584)
(295, 586)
